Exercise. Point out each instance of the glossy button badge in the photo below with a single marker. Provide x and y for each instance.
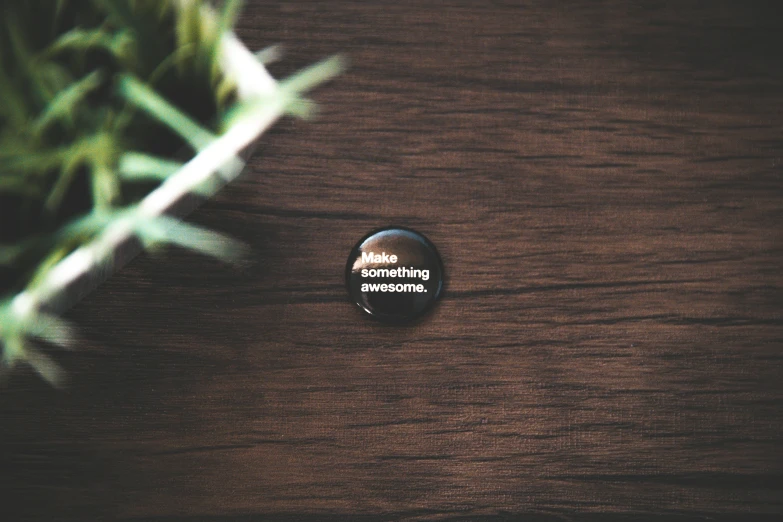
(394, 274)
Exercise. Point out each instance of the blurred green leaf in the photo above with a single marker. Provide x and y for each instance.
(135, 166)
(164, 229)
(65, 103)
(156, 106)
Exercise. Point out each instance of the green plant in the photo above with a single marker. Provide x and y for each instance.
(100, 98)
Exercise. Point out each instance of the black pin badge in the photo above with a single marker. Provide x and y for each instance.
(394, 274)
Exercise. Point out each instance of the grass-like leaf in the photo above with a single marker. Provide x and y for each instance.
(164, 229)
(135, 166)
(64, 105)
(156, 106)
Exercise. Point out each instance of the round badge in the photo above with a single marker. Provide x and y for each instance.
(394, 274)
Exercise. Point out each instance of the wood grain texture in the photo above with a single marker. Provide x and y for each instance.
(604, 183)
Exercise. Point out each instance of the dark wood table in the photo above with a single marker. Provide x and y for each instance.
(604, 183)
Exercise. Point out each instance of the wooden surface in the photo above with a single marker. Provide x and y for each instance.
(604, 183)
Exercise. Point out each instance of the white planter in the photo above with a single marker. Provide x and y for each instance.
(92, 263)
(31, 313)
(218, 163)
